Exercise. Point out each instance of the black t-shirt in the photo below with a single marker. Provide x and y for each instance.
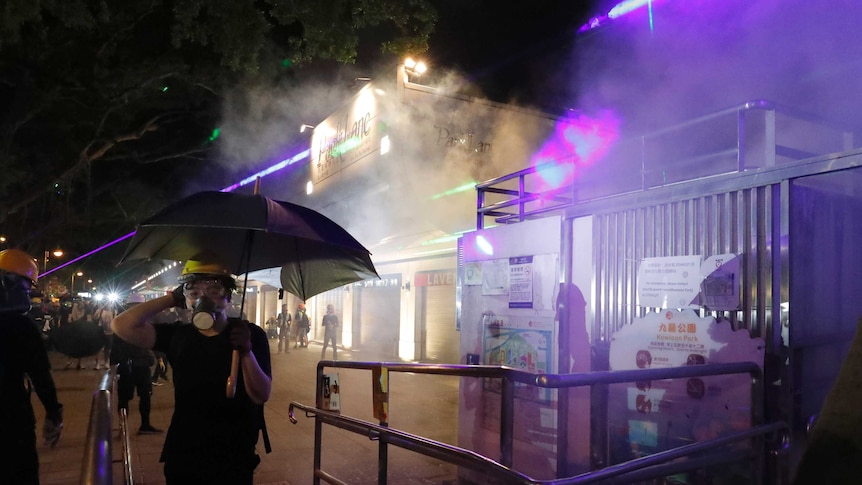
(208, 429)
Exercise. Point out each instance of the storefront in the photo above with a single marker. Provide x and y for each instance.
(377, 304)
(437, 335)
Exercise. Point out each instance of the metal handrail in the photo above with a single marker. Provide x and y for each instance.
(127, 447)
(509, 376)
(518, 199)
(493, 469)
(98, 458)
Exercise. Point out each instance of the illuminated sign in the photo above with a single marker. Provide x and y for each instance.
(345, 137)
(385, 281)
(434, 278)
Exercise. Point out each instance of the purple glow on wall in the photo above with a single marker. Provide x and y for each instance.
(578, 141)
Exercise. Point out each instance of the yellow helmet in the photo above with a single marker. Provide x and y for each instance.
(20, 263)
(196, 270)
(194, 267)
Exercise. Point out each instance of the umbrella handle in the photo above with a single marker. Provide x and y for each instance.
(231, 381)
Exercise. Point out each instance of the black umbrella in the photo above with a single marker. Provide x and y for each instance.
(252, 232)
(78, 339)
(246, 232)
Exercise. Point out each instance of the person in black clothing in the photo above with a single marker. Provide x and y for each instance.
(23, 356)
(65, 309)
(211, 439)
(133, 371)
(330, 333)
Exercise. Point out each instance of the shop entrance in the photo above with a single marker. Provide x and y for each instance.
(379, 309)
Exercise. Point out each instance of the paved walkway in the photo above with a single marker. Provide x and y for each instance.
(419, 404)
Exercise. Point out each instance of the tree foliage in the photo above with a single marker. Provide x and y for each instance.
(106, 106)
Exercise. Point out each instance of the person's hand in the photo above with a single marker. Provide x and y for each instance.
(240, 336)
(179, 297)
(52, 428)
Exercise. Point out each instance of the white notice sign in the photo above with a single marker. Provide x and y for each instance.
(669, 282)
(521, 282)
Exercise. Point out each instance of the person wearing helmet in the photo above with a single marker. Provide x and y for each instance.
(302, 326)
(23, 356)
(211, 438)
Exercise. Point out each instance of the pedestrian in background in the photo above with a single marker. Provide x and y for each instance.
(103, 317)
(330, 332)
(272, 327)
(23, 359)
(133, 371)
(76, 316)
(284, 320)
(302, 326)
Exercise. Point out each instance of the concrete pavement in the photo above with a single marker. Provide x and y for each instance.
(419, 404)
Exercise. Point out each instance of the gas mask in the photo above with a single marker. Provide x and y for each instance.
(14, 294)
(204, 315)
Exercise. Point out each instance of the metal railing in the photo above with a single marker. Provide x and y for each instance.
(663, 463)
(755, 134)
(97, 467)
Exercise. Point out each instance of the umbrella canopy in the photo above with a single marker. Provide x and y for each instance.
(313, 276)
(252, 232)
(248, 233)
(78, 339)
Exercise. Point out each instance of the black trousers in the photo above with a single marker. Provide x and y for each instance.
(135, 378)
(20, 462)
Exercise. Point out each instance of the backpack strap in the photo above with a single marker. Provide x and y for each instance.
(266, 444)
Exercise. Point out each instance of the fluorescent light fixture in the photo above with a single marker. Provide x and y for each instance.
(384, 145)
(484, 245)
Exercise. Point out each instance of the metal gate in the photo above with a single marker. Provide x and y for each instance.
(379, 311)
(739, 222)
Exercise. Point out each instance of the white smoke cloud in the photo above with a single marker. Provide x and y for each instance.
(703, 56)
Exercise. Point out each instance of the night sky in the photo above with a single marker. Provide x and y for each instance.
(511, 50)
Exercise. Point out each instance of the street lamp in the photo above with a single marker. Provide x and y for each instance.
(58, 253)
(79, 273)
(415, 68)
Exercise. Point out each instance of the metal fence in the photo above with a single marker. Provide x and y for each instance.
(499, 469)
